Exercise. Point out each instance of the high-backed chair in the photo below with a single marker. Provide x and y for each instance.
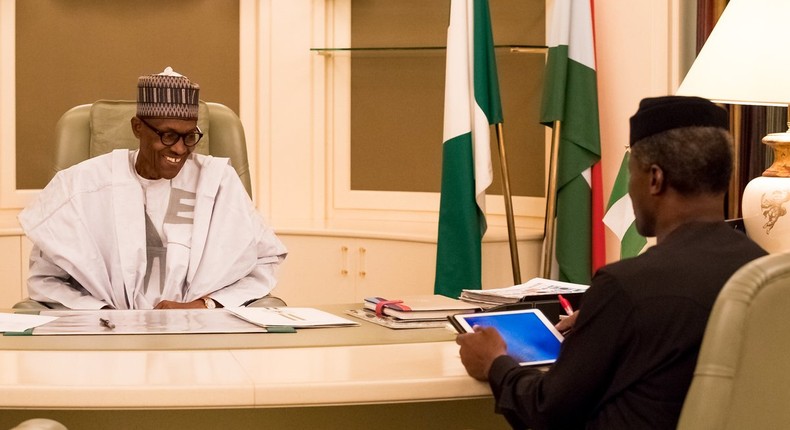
(89, 130)
(742, 378)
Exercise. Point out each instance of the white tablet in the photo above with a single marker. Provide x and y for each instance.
(531, 338)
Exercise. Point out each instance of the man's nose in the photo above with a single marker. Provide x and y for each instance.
(179, 147)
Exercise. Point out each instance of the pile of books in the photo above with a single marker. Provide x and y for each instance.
(533, 290)
(426, 311)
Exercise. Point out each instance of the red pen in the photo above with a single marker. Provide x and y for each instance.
(565, 305)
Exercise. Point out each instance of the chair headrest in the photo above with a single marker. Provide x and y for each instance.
(111, 128)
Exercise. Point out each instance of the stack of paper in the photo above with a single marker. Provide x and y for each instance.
(432, 307)
(530, 290)
(395, 323)
(412, 311)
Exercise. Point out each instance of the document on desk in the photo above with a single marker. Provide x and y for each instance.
(21, 322)
(171, 321)
(291, 317)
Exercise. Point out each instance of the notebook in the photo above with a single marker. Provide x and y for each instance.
(423, 307)
(531, 339)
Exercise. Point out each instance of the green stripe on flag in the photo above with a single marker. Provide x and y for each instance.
(486, 82)
(632, 242)
(620, 187)
(458, 249)
(553, 101)
(574, 231)
(580, 147)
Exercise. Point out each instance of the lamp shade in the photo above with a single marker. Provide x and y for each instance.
(745, 60)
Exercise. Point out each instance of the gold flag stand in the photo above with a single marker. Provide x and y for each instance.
(511, 226)
(551, 203)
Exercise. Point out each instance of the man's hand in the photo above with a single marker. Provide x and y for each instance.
(566, 324)
(479, 350)
(167, 304)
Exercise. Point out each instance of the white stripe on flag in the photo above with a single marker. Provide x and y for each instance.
(574, 32)
(620, 216)
(458, 94)
(587, 175)
(484, 174)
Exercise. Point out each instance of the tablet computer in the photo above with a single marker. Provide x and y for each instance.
(531, 338)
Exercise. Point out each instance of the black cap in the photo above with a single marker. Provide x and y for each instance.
(659, 114)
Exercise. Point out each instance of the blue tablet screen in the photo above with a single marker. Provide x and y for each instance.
(528, 339)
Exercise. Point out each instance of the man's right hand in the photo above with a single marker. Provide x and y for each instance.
(479, 350)
(566, 324)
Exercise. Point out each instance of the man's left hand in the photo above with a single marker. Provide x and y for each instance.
(479, 350)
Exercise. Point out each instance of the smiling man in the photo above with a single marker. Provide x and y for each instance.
(154, 228)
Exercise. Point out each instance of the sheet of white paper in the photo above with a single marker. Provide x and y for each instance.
(22, 322)
(292, 317)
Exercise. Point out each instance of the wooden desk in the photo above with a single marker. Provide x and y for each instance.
(352, 377)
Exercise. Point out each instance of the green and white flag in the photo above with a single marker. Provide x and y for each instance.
(620, 215)
(471, 105)
(570, 96)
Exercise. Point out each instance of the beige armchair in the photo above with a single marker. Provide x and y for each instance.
(742, 378)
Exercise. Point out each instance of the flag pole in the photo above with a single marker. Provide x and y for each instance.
(551, 202)
(511, 227)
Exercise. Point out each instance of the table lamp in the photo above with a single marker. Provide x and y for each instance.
(744, 61)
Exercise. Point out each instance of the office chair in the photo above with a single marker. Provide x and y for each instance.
(742, 378)
(89, 130)
(40, 424)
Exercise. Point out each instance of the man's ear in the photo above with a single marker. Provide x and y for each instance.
(657, 183)
(135, 122)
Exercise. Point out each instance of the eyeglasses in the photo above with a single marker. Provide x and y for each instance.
(170, 138)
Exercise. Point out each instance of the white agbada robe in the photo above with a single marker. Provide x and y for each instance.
(89, 235)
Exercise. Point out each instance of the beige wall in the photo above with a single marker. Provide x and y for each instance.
(639, 55)
(282, 97)
(79, 51)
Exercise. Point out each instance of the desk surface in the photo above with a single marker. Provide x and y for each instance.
(361, 365)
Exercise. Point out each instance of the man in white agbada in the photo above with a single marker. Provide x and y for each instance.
(155, 228)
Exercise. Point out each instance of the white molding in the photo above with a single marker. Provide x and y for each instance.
(321, 167)
(10, 197)
(248, 87)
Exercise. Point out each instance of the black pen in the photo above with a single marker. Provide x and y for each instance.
(107, 323)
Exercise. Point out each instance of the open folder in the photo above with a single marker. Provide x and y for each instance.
(291, 317)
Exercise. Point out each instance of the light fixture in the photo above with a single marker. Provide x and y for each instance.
(744, 61)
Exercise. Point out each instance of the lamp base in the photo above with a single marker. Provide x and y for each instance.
(765, 205)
